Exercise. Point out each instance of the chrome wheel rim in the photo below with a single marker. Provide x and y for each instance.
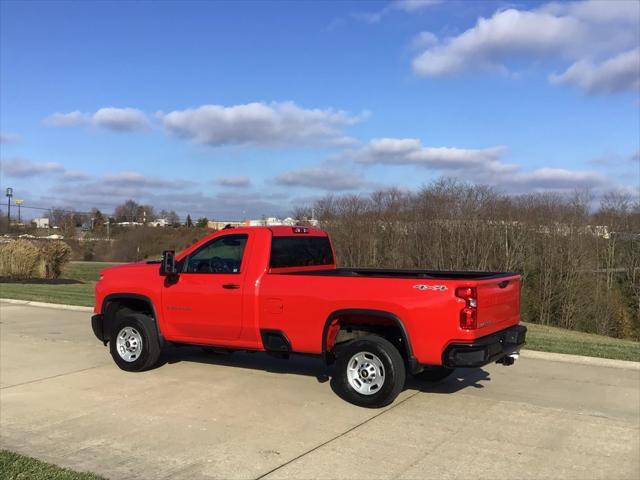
(365, 373)
(129, 344)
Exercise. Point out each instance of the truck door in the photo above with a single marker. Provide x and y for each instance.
(204, 303)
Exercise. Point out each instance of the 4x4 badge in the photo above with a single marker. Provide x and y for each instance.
(438, 288)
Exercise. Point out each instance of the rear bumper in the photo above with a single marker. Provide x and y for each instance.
(97, 324)
(485, 350)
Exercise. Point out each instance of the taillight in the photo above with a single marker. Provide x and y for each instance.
(469, 314)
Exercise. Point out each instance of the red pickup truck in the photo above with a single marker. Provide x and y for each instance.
(278, 289)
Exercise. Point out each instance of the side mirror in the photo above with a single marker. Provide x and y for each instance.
(168, 264)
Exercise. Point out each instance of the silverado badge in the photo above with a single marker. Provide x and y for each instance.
(438, 288)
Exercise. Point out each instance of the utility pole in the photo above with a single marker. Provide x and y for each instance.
(9, 194)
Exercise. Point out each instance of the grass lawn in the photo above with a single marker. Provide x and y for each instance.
(75, 287)
(14, 466)
(559, 340)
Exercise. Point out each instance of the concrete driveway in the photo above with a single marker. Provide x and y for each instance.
(252, 416)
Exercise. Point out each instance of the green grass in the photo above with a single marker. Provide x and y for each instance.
(559, 340)
(79, 293)
(14, 466)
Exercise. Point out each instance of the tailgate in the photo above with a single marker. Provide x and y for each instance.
(498, 304)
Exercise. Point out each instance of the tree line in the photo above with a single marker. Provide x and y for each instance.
(97, 222)
(580, 262)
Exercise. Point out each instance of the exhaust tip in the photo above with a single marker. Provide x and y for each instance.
(508, 360)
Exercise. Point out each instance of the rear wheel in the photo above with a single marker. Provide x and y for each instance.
(134, 344)
(370, 372)
(433, 373)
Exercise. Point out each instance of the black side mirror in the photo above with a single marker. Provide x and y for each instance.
(168, 264)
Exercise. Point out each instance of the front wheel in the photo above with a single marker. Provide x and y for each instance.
(134, 344)
(370, 372)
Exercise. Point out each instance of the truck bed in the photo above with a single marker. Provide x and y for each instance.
(391, 273)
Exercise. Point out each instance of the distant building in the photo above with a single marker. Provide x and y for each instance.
(159, 222)
(128, 224)
(220, 224)
(262, 222)
(41, 222)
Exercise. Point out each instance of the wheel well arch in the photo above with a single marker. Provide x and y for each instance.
(380, 322)
(115, 302)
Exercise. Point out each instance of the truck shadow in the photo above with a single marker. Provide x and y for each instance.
(314, 367)
(296, 365)
(460, 379)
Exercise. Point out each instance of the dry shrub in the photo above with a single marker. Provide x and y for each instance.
(55, 255)
(23, 259)
(19, 259)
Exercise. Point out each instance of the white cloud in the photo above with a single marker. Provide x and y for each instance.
(321, 178)
(121, 119)
(410, 6)
(554, 179)
(597, 11)
(263, 124)
(234, 182)
(591, 35)
(19, 167)
(74, 176)
(483, 165)
(22, 168)
(619, 73)
(110, 118)
(8, 137)
(410, 151)
(71, 119)
(139, 180)
(424, 40)
(406, 6)
(508, 33)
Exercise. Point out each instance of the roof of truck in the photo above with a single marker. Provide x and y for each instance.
(286, 230)
(278, 230)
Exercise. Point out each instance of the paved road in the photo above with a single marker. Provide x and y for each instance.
(251, 416)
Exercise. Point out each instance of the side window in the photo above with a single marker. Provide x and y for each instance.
(222, 255)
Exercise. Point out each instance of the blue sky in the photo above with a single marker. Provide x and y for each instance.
(243, 109)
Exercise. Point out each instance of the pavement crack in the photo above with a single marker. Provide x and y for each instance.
(346, 432)
(49, 378)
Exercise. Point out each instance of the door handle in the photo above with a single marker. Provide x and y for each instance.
(231, 286)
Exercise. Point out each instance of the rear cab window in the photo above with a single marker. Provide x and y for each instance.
(299, 251)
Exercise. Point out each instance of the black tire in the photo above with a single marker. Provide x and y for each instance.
(393, 371)
(434, 373)
(141, 326)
